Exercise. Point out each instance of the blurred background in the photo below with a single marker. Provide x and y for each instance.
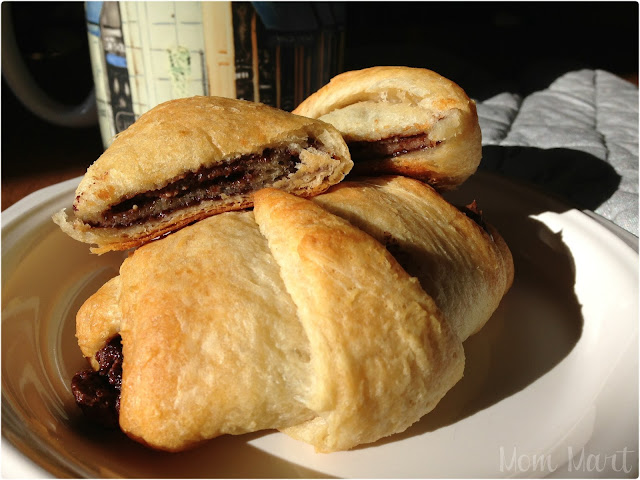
(486, 47)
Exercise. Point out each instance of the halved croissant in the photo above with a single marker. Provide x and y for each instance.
(286, 317)
(191, 158)
(402, 120)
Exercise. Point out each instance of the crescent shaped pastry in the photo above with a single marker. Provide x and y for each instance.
(191, 158)
(381, 353)
(460, 260)
(402, 120)
(284, 317)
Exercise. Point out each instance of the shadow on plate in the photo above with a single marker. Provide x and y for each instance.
(577, 177)
(228, 456)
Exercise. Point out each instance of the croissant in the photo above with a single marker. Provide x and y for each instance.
(287, 317)
(190, 158)
(402, 120)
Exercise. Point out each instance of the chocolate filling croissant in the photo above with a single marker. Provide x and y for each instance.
(401, 120)
(191, 158)
(299, 315)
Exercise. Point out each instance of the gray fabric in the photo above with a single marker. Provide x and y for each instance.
(577, 139)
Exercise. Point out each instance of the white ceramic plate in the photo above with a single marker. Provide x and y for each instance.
(550, 387)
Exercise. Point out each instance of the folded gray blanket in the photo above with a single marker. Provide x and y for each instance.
(577, 139)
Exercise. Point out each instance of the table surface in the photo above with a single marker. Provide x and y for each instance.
(36, 155)
(16, 187)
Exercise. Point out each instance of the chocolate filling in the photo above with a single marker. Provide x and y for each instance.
(390, 147)
(241, 175)
(97, 393)
(474, 213)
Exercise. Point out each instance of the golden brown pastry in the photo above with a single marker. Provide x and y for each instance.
(460, 260)
(284, 317)
(191, 158)
(401, 120)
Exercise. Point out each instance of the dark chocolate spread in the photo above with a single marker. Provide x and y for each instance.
(390, 147)
(244, 174)
(97, 393)
(474, 213)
